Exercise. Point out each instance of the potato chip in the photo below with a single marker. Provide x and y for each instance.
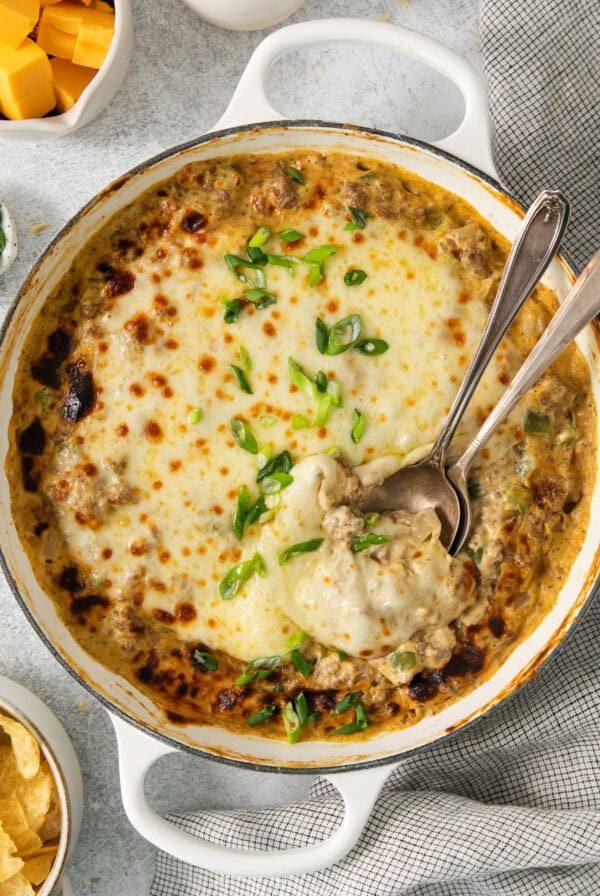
(14, 821)
(17, 886)
(24, 746)
(9, 863)
(35, 795)
(9, 773)
(52, 822)
(37, 868)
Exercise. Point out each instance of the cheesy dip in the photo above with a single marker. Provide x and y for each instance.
(227, 367)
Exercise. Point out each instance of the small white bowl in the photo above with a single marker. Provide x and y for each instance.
(9, 253)
(57, 749)
(244, 15)
(96, 95)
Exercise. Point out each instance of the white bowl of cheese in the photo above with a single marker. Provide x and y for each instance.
(56, 73)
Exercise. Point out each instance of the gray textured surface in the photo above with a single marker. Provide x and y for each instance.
(182, 74)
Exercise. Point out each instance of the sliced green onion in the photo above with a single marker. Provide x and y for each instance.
(296, 640)
(370, 519)
(301, 706)
(301, 663)
(240, 513)
(359, 219)
(359, 724)
(232, 310)
(257, 255)
(260, 298)
(303, 547)
(302, 381)
(477, 555)
(359, 421)
(367, 540)
(316, 275)
(2, 241)
(194, 416)
(475, 488)
(206, 661)
(334, 390)
(284, 261)
(258, 669)
(265, 454)
(279, 462)
(278, 687)
(239, 574)
(267, 420)
(255, 511)
(371, 346)
(294, 174)
(291, 723)
(536, 424)
(321, 381)
(323, 409)
(290, 236)
(334, 451)
(343, 334)
(236, 265)
(347, 702)
(245, 359)
(320, 254)
(259, 718)
(260, 237)
(299, 421)
(241, 378)
(342, 655)
(244, 436)
(354, 277)
(321, 335)
(275, 483)
(403, 660)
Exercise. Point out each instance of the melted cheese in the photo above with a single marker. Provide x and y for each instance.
(177, 536)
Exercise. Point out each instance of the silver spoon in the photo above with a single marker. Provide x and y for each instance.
(580, 306)
(425, 484)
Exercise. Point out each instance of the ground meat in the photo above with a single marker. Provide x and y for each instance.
(277, 191)
(471, 245)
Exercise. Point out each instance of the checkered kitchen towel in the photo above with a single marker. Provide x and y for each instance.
(511, 806)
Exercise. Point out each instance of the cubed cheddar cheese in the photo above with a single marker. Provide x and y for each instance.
(55, 42)
(92, 43)
(77, 33)
(26, 89)
(48, 3)
(17, 19)
(103, 6)
(69, 82)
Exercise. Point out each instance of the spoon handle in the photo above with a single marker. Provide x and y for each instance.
(580, 306)
(536, 243)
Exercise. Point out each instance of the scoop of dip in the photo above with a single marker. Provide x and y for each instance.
(375, 582)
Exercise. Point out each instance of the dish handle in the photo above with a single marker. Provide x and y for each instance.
(471, 141)
(138, 752)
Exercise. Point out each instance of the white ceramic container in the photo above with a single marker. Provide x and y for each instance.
(96, 96)
(56, 747)
(461, 163)
(244, 15)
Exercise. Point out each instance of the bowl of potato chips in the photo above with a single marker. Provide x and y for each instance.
(41, 796)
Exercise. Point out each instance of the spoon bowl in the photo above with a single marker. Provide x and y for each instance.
(425, 484)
